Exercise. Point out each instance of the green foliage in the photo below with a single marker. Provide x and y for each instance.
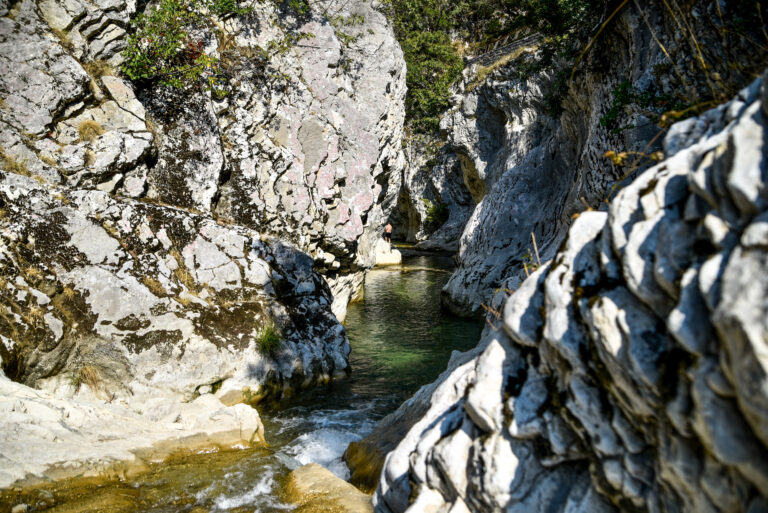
(554, 98)
(339, 24)
(433, 65)
(422, 27)
(163, 49)
(652, 104)
(300, 7)
(269, 338)
(428, 29)
(437, 215)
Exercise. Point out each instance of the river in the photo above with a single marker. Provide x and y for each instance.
(400, 338)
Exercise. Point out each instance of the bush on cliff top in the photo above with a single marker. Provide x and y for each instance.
(167, 45)
(432, 32)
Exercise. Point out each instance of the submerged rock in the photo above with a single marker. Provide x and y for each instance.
(315, 489)
(627, 374)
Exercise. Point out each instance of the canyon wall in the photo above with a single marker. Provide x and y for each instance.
(303, 147)
(628, 373)
(525, 139)
(160, 247)
(176, 217)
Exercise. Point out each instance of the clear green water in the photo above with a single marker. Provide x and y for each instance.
(400, 340)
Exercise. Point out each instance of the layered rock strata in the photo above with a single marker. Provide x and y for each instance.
(629, 372)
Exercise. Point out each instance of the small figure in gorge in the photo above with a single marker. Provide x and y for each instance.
(388, 234)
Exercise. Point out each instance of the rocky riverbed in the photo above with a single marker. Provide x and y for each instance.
(175, 254)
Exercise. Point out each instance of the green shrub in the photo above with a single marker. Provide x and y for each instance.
(654, 106)
(162, 48)
(431, 32)
(437, 214)
(269, 338)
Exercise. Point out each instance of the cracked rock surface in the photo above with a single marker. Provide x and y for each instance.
(305, 147)
(629, 372)
(176, 248)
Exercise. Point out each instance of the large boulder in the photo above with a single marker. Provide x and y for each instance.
(629, 373)
(155, 301)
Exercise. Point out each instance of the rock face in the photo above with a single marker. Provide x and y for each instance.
(155, 300)
(43, 435)
(528, 146)
(432, 182)
(159, 246)
(303, 148)
(629, 373)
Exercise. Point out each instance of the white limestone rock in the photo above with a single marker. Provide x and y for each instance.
(630, 370)
(156, 301)
(386, 254)
(50, 437)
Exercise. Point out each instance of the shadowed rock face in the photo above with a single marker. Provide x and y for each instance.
(510, 165)
(629, 372)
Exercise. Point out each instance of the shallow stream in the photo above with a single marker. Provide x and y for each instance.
(400, 340)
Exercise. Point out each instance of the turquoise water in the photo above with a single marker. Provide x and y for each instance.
(400, 341)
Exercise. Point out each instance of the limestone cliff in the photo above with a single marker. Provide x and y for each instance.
(629, 372)
(303, 148)
(521, 151)
(167, 222)
(162, 246)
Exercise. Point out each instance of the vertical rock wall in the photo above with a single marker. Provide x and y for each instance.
(528, 146)
(156, 234)
(629, 373)
(303, 148)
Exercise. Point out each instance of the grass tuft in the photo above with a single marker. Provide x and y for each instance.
(86, 375)
(98, 69)
(269, 338)
(89, 130)
(154, 286)
(13, 165)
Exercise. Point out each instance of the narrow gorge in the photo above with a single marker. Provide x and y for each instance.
(198, 312)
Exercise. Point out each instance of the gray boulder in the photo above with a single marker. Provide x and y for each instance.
(155, 301)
